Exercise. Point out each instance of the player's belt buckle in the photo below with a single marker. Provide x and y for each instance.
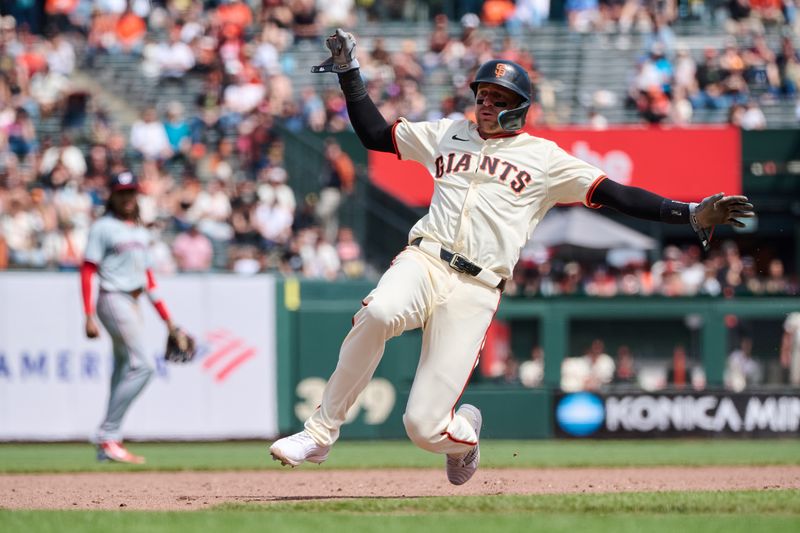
(459, 263)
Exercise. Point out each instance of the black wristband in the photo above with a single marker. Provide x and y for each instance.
(352, 85)
(673, 212)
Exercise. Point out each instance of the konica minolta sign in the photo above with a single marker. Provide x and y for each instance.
(676, 414)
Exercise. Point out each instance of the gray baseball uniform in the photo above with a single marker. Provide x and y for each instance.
(119, 249)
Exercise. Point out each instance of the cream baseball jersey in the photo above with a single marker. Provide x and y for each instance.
(489, 195)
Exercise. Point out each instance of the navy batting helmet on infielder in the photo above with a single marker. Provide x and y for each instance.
(512, 76)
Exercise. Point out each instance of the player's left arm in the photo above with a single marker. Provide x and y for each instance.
(155, 298)
(703, 216)
(370, 126)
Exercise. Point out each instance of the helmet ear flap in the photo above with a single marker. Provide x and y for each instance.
(513, 119)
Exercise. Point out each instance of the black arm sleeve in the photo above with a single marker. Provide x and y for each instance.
(640, 203)
(370, 126)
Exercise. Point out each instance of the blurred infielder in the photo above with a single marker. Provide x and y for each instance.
(117, 250)
(492, 186)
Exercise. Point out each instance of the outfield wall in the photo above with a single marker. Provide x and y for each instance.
(314, 317)
(54, 381)
(267, 346)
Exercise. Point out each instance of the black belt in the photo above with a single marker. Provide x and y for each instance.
(459, 263)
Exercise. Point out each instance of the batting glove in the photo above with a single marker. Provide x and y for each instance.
(718, 209)
(343, 58)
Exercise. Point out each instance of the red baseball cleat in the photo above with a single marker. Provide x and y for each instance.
(112, 450)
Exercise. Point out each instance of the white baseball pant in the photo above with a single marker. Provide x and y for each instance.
(454, 310)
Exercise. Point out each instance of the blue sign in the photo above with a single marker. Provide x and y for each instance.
(580, 414)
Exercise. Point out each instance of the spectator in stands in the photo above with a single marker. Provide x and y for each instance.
(531, 371)
(625, 366)
(21, 232)
(711, 285)
(582, 15)
(130, 30)
(602, 283)
(349, 253)
(149, 138)
(48, 88)
(685, 72)
(241, 98)
(162, 260)
(174, 57)
(753, 117)
(320, 259)
(68, 155)
(572, 281)
(741, 20)
(246, 260)
(496, 12)
(742, 370)
(338, 178)
(273, 187)
(74, 204)
(266, 56)
(776, 282)
(788, 64)
(528, 14)
(244, 231)
(178, 130)
(710, 77)
(337, 14)
(192, 250)
(216, 164)
(234, 16)
(211, 211)
(305, 24)
(591, 371)
(274, 224)
(60, 55)
(64, 248)
(692, 271)
(312, 109)
(761, 70)
(21, 136)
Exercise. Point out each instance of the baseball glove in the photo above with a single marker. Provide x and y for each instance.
(181, 347)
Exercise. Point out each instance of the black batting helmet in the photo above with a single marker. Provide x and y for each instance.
(513, 77)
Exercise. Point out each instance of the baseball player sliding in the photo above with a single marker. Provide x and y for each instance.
(492, 185)
(117, 250)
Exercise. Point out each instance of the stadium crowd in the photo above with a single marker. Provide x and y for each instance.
(215, 190)
(723, 272)
(669, 84)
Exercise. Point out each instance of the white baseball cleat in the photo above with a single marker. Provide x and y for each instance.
(112, 450)
(462, 466)
(295, 449)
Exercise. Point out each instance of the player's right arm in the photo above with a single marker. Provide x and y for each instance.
(370, 126)
(95, 249)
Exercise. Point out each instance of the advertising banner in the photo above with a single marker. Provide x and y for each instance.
(684, 164)
(54, 382)
(675, 414)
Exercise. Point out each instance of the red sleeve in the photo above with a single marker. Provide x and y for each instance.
(151, 280)
(158, 303)
(87, 271)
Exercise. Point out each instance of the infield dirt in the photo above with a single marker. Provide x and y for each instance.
(198, 490)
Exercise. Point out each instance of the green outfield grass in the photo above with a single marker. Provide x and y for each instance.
(745, 511)
(393, 454)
